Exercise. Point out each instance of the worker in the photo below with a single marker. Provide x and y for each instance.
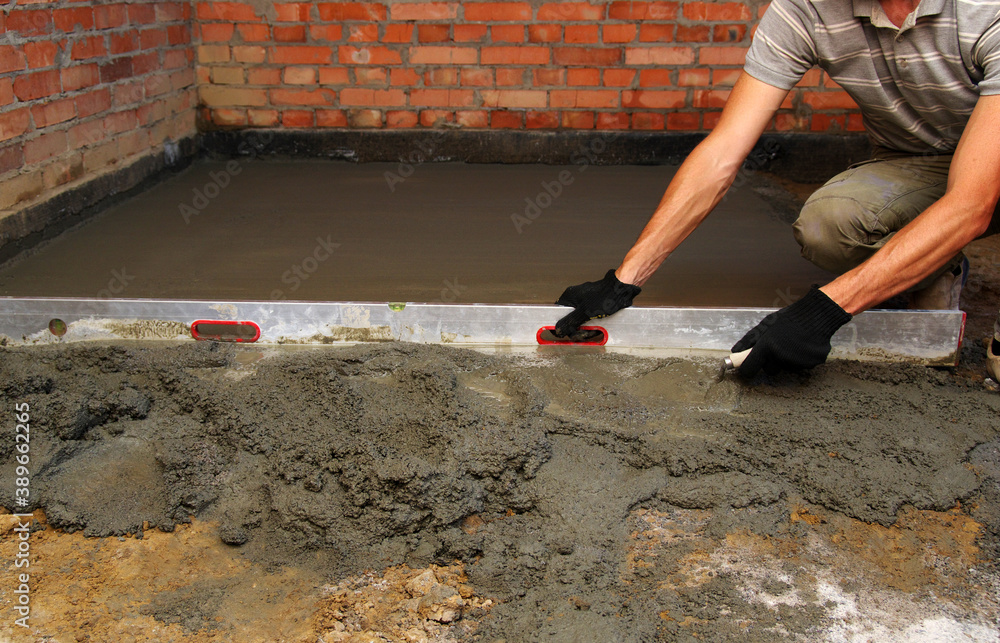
(926, 76)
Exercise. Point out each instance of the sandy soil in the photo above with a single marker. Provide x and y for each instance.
(409, 493)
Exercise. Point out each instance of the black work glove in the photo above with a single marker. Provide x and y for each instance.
(794, 338)
(593, 300)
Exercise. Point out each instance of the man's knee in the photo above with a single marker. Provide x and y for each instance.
(834, 232)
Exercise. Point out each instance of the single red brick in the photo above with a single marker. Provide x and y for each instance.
(717, 11)
(514, 56)
(605, 57)
(708, 98)
(828, 123)
(330, 118)
(654, 99)
(513, 98)
(68, 19)
(546, 77)
(502, 119)
(584, 77)
(92, 47)
(497, 11)
(725, 77)
(618, 33)
(441, 76)
(292, 11)
(178, 35)
(227, 117)
(442, 55)
(578, 120)
(389, 97)
(289, 33)
(571, 11)
(855, 123)
(262, 117)
(470, 33)
(362, 33)
(297, 118)
(6, 93)
(683, 121)
(472, 118)
(401, 119)
(694, 77)
(217, 31)
(370, 75)
(436, 117)
(152, 38)
(368, 56)
(41, 53)
(476, 77)
(619, 77)
(249, 54)
(339, 11)
(581, 34)
(281, 96)
(109, 16)
(661, 56)
(301, 55)
(263, 76)
(357, 96)
(433, 33)
(544, 33)
(399, 77)
(507, 33)
(542, 120)
(643, 10)
(124, 42)
(52, 112)
(14, 123)
(251, 32)
(300, 76)
(693, 33)
(509, 77)
(709, 120)
(656, 33)
(145, 63)
(728, 33)
(368, 118)
(45, 147)
(170, 11)
(93, 102)
(175, 59)
(37, 85)
(612, 120)
(142, 14)
(398, 33)
(722, 55)
(424, 11)
(816, 100)
(327, 33)
(232, 11)
(85, 134)
(647, 121)
(12, 59)
(30, 22)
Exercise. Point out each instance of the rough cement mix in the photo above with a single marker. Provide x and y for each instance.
(574, 495)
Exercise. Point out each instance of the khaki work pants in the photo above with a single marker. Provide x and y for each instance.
(856, 212)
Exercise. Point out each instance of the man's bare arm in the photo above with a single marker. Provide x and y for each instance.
(942, 230)
(703, 178)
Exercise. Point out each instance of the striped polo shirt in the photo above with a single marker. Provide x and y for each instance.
(916, 84)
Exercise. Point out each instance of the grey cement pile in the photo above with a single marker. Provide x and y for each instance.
(527, 468)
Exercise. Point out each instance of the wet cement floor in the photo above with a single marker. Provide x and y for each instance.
(336, 231)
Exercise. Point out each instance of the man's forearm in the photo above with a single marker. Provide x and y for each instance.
(698, 186)
(913, 253)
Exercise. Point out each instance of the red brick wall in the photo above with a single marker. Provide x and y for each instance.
(89, 85)
(519, 64)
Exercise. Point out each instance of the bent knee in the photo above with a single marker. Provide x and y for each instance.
(836, 233)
